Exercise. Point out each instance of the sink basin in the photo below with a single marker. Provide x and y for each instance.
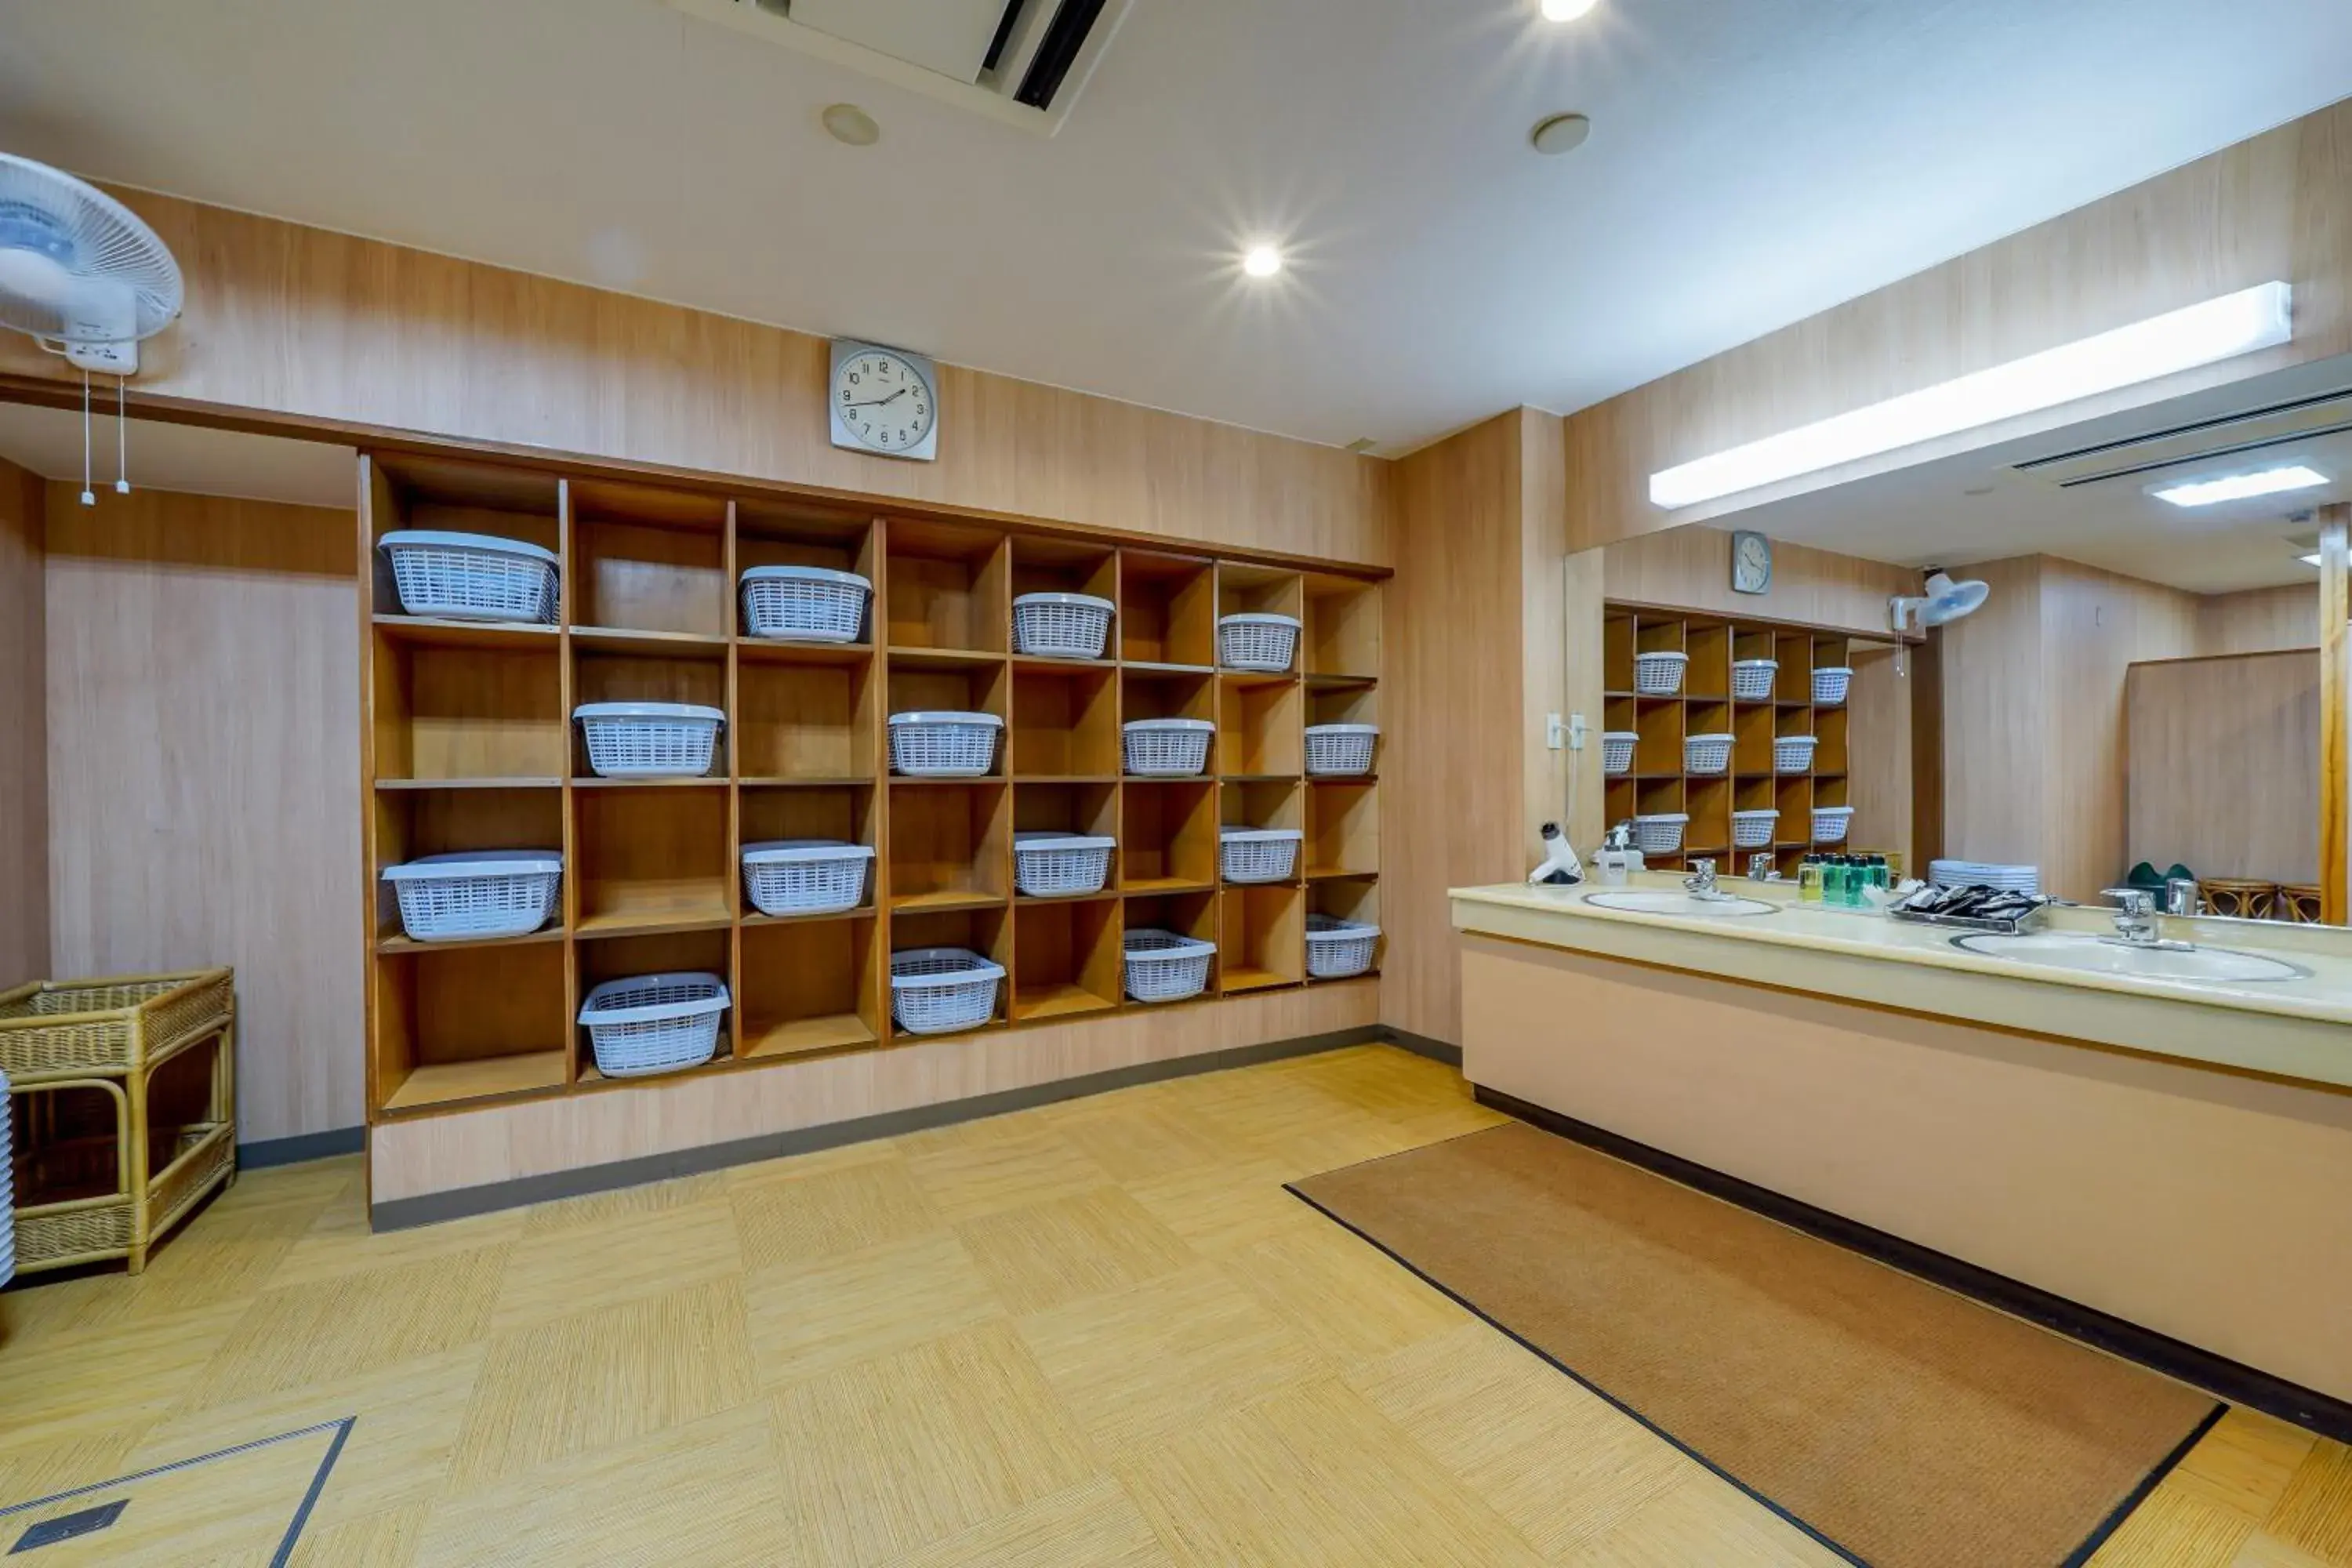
(2094, 955)
(1645, 902)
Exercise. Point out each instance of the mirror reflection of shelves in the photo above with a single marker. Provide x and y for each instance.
(472, 744)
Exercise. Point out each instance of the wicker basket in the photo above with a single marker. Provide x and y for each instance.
(71, 1028)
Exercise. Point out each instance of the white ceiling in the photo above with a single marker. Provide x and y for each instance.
(1752, 161)
(184, 457)
(1981, 506)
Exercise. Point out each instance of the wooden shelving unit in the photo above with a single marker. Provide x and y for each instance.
(1659, 783)
(469, 744)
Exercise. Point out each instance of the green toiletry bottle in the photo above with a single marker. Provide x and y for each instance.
(1833, 870)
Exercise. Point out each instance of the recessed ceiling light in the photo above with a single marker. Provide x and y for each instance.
(1262, 261)
(2241, 487)
(1560, 133)
(1566, 10)
(850, 125)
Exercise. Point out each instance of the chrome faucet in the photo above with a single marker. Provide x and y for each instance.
(2134, 915)
(2182, 897)
(1700, 883)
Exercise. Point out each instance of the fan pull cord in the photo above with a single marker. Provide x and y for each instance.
(121, 435)
(88, 496)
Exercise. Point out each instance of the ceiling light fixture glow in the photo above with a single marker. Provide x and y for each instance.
(1262, 261)
(2241, 487)
(2310, 560)
(1566, 10)
(2256, 318)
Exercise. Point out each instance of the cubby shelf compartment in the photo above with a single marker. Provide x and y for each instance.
(1066, 958)
(1168, 835)
(812, 987)
(470, 1023)
(1262, 939)
(1347, 897)
(470, 744)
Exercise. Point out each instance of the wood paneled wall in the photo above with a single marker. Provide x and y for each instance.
(204, 773)
(2276, 206)
(24, 779)
(2259, 620)
(2224, 764)
(1879, 759)
(301, 322)
(1474, 614)
(1690, 569)
(2033, 715)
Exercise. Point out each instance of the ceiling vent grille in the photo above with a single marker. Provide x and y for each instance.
(1021, 61)
(2232, 434)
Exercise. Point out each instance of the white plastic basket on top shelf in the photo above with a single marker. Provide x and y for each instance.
(476, 893)
(1660, 832)
(1059, 865)
(1340, 751)
(1707, 754)
(939, 990)
(1337, 949)
(806, 875)
(1751, 679)
(944, 745)
(1258, 854)
(1793, 753)
(650, 740)
(1061, 626)
(1617, 751)
(804, 604)
(1831, 683)
(1167, 748)
(1659, 674)
(1753, 829)
(654, 1023)
(1831, 822)
(1257, 641)
(471, 577)
(1161, 966)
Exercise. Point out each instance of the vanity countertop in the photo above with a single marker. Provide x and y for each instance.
(2294, 1027)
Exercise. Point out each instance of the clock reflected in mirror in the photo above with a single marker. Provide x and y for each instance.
(1751, 563)
(884, 400)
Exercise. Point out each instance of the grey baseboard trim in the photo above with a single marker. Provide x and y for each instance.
(402, 1214)
(1423, 1045)
(305, 1146)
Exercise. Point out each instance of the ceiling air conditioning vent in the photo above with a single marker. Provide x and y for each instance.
(2303, 419)
(1021, 61)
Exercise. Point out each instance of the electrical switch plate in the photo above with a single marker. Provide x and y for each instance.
(1576, 732)
(1555, 733)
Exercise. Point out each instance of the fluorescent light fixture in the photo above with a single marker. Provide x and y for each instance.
(2257, 318)
(2310, 560)
(2241, 487)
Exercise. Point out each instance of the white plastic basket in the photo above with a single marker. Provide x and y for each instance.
(654, 1023)
(1258, 854)
(1753, 829)
(804, 604)
(1057, 865)
(1162, 966)
(1659, 674)
(476, 893)
(1617, 751)
(471, 577)
(1831, 822)
(939, 990)
(1830, 683)
(1707, 754)
(943, 745)
(1257, 641)
(1793, 753)
(806, 875)
(1337, 948)
(1660, 833)
(650, 740)
(1167, 748)
(1752, 678)
(1061, 626)
(1337, 751)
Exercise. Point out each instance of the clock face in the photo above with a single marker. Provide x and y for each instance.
(1751, 563)
(883, 403)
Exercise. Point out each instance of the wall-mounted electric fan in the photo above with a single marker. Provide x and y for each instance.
(82, 275)
(1944, 601)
